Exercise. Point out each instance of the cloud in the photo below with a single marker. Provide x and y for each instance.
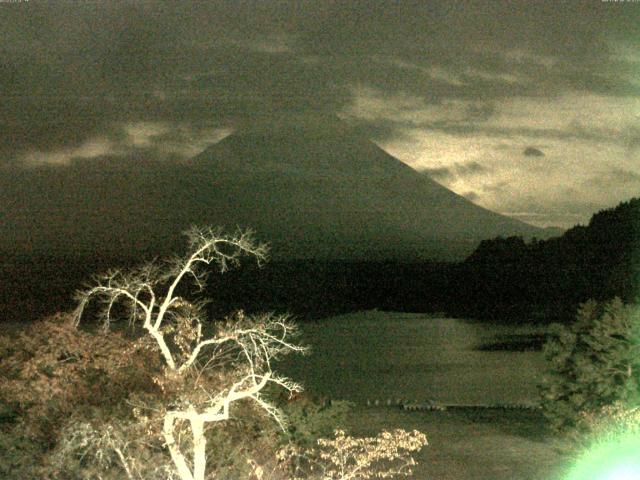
(157, 140)
(596, 119)
(471, 196)
(632, 137)
(77, 71)
(458, 170)
(470, 169)
(564, 212)
(439, 174)
(614, 176)
(532, 152)
(508, 184)
(551, 218)
(92, 148)
(459, 90)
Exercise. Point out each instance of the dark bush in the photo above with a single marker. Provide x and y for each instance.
(594, 362)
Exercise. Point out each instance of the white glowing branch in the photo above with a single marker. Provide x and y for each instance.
(137, 290)
(244, 348)
(258, 344)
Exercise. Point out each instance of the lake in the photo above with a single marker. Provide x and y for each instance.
(389, 355)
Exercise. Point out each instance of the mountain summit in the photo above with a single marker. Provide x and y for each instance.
(319, 189)
(312, 189)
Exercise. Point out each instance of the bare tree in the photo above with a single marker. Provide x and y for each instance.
(243, 347)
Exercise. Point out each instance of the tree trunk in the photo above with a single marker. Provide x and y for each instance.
(176, 455)
(199, 448)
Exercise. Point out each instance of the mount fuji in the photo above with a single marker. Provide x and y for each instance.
(312, 189)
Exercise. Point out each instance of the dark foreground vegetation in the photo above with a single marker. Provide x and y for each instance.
(159, 391)
(549, 279)
(62, 389)
(74, 402)
(505, 279)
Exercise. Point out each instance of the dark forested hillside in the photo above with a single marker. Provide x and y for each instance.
(505, 279)
(508, 277)
(31, 287)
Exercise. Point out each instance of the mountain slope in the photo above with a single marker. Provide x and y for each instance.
(311, 190)
(328, 186)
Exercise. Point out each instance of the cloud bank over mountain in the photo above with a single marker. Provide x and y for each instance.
(311, 189)
(438, 84)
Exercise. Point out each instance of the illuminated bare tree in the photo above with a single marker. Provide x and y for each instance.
(205, 373)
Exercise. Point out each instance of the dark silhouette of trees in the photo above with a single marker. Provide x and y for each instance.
(504, 278)
(593, 363)
(507, 276)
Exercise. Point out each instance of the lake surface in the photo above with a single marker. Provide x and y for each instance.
(388, 355)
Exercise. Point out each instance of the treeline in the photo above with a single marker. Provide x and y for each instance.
(316, 289)
(505, 279)
(32, 287)
(509, 278)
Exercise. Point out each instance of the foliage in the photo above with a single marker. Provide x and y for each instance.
(388, 455)
(52, 372)
(310, 419)
(594, 362)
(104, 403)
(141, 399)
(508, 277)
(20, 456)
(609, 423)
(98, 450)
(609, 448)
(92, 447)
(205, 370)
(53, 367)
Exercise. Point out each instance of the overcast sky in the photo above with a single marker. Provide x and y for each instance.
(527, 108)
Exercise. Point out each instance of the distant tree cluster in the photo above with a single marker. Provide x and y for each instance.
(504, 278)
(513, 278)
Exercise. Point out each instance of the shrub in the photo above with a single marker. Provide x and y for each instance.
(310, 418)
(609, 449)
(594, 362)
(143, 402)
(609, 423)
(388, 455)
(73, 389)
(96, 447)
(207, 370)
(52, 374)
